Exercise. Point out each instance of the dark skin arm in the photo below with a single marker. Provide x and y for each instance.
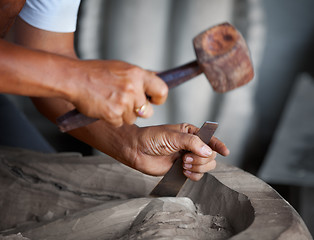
(108, 90)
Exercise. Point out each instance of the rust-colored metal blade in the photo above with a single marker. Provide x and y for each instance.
(172, 182)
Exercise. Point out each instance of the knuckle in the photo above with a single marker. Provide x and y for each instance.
(113, 116)
(196, 168)
(129, 120)
(118, 124)
(203, 161)
(213, 164)
(114, 122)
(163, 92)
(196, 176)
(128, 86)
(135, 71)
(185, 127)
(199, 160)
(193, 140)
(110, 115)
(124, 100)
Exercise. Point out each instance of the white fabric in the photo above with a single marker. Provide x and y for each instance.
(51, 15)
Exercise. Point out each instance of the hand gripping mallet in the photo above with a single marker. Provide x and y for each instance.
(222, 55)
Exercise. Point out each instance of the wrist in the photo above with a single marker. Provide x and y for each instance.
(119, 143)
(125, 144)
(70, 81)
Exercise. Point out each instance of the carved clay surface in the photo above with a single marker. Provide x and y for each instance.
(166, 218)
(67, 196)
(13, 237)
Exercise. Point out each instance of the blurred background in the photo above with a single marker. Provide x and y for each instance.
(267, 124)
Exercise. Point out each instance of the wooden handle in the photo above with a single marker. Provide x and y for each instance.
(72, 120)
(173, 77)
(181, 74)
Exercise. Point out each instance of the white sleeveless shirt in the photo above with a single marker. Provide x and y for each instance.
(51, 15)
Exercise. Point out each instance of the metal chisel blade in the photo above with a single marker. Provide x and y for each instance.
(172, 182)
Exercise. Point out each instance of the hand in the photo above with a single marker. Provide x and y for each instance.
(108, 90)
(157, 147)
(113, 90)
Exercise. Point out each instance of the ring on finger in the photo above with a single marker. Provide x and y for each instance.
(140, 111)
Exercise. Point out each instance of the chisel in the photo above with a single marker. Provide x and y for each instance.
(172, 182)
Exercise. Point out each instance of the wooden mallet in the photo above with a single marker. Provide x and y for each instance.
(222, 55)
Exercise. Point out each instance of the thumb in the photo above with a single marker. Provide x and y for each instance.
(194, 144)
(155, 88)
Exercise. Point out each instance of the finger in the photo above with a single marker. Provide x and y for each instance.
(155, 88)
(182, 128)
(193, 176)
(113, 116)
(200, 168)
(219, 146)
(195, 145)
(117, 122)
(129, 117)
(145, 110)
(190, 158)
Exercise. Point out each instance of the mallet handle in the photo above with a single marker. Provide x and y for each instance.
(173, 77)
(181, 74)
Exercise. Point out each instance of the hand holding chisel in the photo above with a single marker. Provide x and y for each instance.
(174, 179)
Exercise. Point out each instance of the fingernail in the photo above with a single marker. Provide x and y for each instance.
(187, 166)
(188, 159)
(186, 172)
(206, 150)
(227, 152)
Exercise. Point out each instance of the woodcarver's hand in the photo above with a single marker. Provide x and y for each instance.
(158, 146)
(113, 90)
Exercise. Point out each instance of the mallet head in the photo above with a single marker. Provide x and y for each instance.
(224, 57)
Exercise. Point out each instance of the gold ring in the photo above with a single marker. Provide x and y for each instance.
(140, 111)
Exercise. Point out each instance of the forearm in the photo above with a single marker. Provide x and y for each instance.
(119, 143)
(115, 142)
(33, 72)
